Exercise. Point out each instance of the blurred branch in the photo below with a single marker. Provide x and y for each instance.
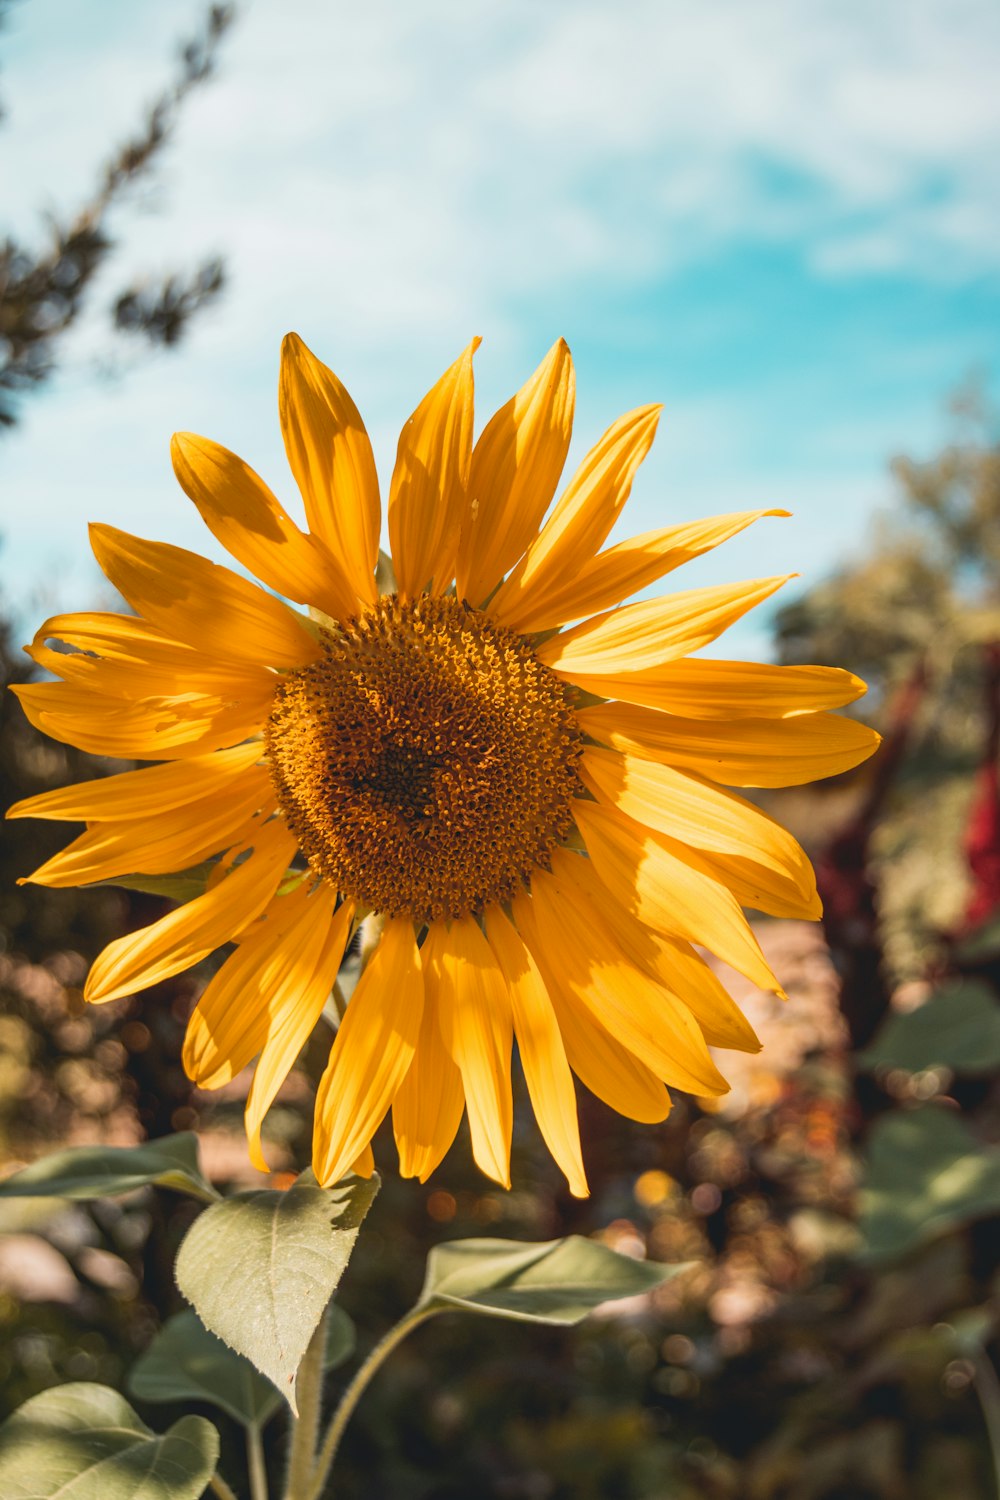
(162, 312)
(42, 294)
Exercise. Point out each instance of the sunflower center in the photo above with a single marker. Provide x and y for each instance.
(426, 761)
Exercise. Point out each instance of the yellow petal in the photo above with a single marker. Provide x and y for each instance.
(121, 637)
(646, 877)
(293, 1011)
(201, 603)
(169, 840)
(641, 637)
(476, 1025)
(153, 729)
(691, 811)
(706, 689)
(239, 509)
(540, 1044)
(428, 492)
(331, 457)
(670, 960)
(275, 972)
(187, 695)
(583, 516)
(134, 794)
(371, 1053)
(612, 576)
(648, 1020)
(428, 1108)
(602, 1064)
(135, 660)
(515, 469)
(738, 752)
(190, 933)
(760, 888)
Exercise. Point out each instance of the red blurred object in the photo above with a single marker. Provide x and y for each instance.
(982, 833)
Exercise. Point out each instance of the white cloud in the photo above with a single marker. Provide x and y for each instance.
(391, 177)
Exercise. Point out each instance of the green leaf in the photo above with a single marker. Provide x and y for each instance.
(187, 1363)
(982, 945)
(260, 1267)
(107, 1171)
(84, 1442)
(958, 1028)
(556, 1281)
(927, 1173)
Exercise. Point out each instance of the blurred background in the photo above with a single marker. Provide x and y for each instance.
(780, 219)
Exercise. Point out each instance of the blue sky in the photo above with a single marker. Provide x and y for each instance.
(781, 218)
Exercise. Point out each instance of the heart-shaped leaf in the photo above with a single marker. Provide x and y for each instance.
(187, 1363)
(84, 1442)
(958, 1027)
(927, 1173)
(107, 1171)
(259, 1269)
(556, 1281)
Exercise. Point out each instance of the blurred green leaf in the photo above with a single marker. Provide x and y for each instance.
(557, 1281)
(260, 1268)
(981, 945)
(958, 1027)
(922, 1352)
(927, 1173)
(187, 1363)
(341, 1338)
(84, 1442)
(107, 1171)
(968, 1332)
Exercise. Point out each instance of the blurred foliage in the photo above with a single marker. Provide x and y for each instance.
(43, 290)
(920, 605)
(832, 1338)
(927, 585)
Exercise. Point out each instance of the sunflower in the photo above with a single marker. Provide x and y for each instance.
(512, 791)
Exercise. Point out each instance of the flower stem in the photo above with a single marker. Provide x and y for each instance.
(255, 1464)
(355, 1390)
(219, 1487)
(309, 1395)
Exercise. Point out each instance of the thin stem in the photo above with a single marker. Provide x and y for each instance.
(219, 1487)
(354, 1392)
(305, 1428)
(256, 1467)
(988, 1390)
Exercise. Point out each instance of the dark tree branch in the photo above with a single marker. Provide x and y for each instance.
(42, 294)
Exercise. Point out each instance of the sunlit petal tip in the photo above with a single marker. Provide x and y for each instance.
(256, 1154)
